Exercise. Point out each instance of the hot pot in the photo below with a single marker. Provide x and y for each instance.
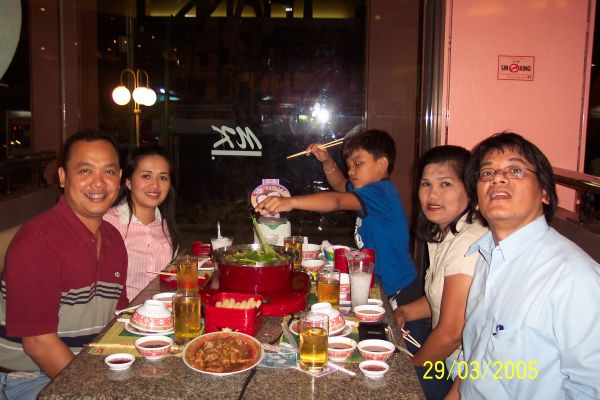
(256, 277)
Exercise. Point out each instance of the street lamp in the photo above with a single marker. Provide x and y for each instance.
(142, 95)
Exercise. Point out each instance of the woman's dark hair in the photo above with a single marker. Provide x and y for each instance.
(514, 142)
(167, 207)
(375, 142)
(455, 157)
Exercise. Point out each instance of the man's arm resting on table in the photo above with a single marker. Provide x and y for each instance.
(49, 352)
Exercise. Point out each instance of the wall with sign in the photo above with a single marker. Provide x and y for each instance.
(521, 66)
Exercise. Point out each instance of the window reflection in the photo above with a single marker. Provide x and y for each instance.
(237, 94)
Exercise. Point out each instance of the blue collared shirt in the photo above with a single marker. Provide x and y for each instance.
(533, 319)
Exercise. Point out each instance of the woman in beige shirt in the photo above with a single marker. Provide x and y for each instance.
(446, 224)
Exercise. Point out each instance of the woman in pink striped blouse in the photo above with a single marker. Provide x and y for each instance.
(144, 214)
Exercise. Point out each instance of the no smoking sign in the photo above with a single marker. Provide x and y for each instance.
(516, 68)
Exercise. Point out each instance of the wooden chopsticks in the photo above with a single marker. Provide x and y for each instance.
(162, 273)
(410, 339)
(323, 146)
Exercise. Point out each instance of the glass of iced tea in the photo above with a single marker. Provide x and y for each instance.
(294, 244)
(328, 288)
(314, 331)
(187, 273)
(187, 314)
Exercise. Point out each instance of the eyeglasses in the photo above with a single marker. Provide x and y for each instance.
(510, 172)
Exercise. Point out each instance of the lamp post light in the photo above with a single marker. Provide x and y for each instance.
(142, 95)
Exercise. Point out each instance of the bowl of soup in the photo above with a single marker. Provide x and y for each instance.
(339, 348)
(369, 313)
(376, 349)
(153, 347)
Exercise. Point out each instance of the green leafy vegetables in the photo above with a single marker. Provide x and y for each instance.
(264, 254)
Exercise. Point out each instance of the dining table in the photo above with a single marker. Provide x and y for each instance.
(88, 377)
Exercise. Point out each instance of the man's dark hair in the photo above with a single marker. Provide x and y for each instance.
(88, 135)
(514, 142)
(375, 142)
(456, 158)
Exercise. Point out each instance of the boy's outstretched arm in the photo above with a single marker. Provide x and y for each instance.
(335, 177)
(321, 202)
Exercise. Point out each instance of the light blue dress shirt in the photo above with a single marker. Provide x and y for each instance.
(533, 319)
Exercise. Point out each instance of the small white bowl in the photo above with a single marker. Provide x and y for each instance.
(310, 251)
(159, 346)
(312, 265)
(369, 313)
(376, 349)
(166, 298)
(336, 321)
(375, 302)
(339, 348)
(119, 361)
(374, 369)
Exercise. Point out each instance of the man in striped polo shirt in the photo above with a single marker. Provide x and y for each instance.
(65, 271)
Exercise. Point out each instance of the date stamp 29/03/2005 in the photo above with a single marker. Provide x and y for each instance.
(474, 370)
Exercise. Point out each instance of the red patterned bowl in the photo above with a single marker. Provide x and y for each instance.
(339, 347)
(153, 347)
(369, 313)
(336, 321)
(310, 251)
(376, 349)
(153, 316)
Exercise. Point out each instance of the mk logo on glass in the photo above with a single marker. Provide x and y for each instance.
(245, 139)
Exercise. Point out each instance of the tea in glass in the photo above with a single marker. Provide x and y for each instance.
(187, 273)
(294, 244)
(314, 330)
(186, 312)
(328, 288)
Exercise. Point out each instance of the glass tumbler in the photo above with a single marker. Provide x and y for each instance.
(314, 331)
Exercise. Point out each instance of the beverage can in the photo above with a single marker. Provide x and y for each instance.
(340, 261)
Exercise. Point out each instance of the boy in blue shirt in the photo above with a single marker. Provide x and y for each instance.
(380, 224)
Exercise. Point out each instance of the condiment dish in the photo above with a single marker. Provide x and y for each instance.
(374, 369)
(375, 302)
(339, 348)
(369, 313)
(154, 347)
(119, 361)
(376, 349)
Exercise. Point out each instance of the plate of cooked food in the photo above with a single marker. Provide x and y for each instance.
(222, 353)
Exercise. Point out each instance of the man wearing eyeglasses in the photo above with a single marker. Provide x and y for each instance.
(532, 327)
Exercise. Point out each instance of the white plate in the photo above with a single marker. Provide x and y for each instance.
(196, 343)
(345, 331)
(137, 331)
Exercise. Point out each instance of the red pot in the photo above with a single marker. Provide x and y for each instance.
(257, 277)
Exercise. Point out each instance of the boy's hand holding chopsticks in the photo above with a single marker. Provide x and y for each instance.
(314, 149)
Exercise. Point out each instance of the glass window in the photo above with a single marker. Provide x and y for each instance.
(237, 94)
